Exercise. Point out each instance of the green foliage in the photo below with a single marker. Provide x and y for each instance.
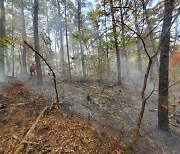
(75, 36)
(85, 38)
(5, 42)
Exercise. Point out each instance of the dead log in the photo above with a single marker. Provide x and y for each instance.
(24, 142)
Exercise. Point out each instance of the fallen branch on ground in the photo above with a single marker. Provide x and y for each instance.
(24, 141)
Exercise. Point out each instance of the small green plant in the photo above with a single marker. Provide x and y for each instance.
(5, 42)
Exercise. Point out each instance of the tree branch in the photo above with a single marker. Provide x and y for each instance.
(150, 93)
(170, 85)
(54, 75)
(144, 45)
(161, 21)
(124, 7)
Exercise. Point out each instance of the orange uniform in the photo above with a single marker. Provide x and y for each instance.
(32, 69)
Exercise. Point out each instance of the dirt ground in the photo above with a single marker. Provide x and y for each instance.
(93, 118)
(57, 132)
(117, 108)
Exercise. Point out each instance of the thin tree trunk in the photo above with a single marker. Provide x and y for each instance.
(48, 29)
(36, 43)
(12, 38)
(116, 43)
(24, 35)
(139, 59)
(2, 34)
(124, 51)
(47, 20)
(7, 62)
(67, 42)
(151, 39)
(61, 40)
(55, 47)
(138, 42)
(19, 60)
(144, 101)
(61, 53)
(107, 48)
(176, 31)
(80, 39)
(163, 120)
(99, 51)
(20, 57)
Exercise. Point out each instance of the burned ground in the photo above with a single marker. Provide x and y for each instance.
(57, 132)
(93, 118)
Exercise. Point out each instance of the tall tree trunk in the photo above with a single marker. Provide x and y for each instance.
(124, 51)
(24, 35)
(7, 60)
(99, 51)
(106, 47)
(2, 34)
(163, 121)
(61, 52)
(116, 43)
(61, 40)
(176, 31)
(151, 39)
(139, 59)
(80, 39)
(20, 57)
(138, 41)
(48, 30)
(55, 47)
(67, 42)
(47, 20)
(36, 43)
(12, 38)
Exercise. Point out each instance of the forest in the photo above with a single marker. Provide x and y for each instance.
(89, 76)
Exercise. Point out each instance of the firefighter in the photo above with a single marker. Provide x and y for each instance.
(32, 69)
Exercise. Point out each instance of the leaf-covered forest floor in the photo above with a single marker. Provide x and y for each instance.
(93, 118)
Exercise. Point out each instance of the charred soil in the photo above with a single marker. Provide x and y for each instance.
(56, 132)
(93, 118)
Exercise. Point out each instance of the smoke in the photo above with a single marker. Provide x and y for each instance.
(136, 80)
(2, 77)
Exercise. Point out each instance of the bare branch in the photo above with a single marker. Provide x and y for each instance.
(150, 93)
(124, 7)
(170, 85)
(54, 75)
(161, 21)
(144, 45)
